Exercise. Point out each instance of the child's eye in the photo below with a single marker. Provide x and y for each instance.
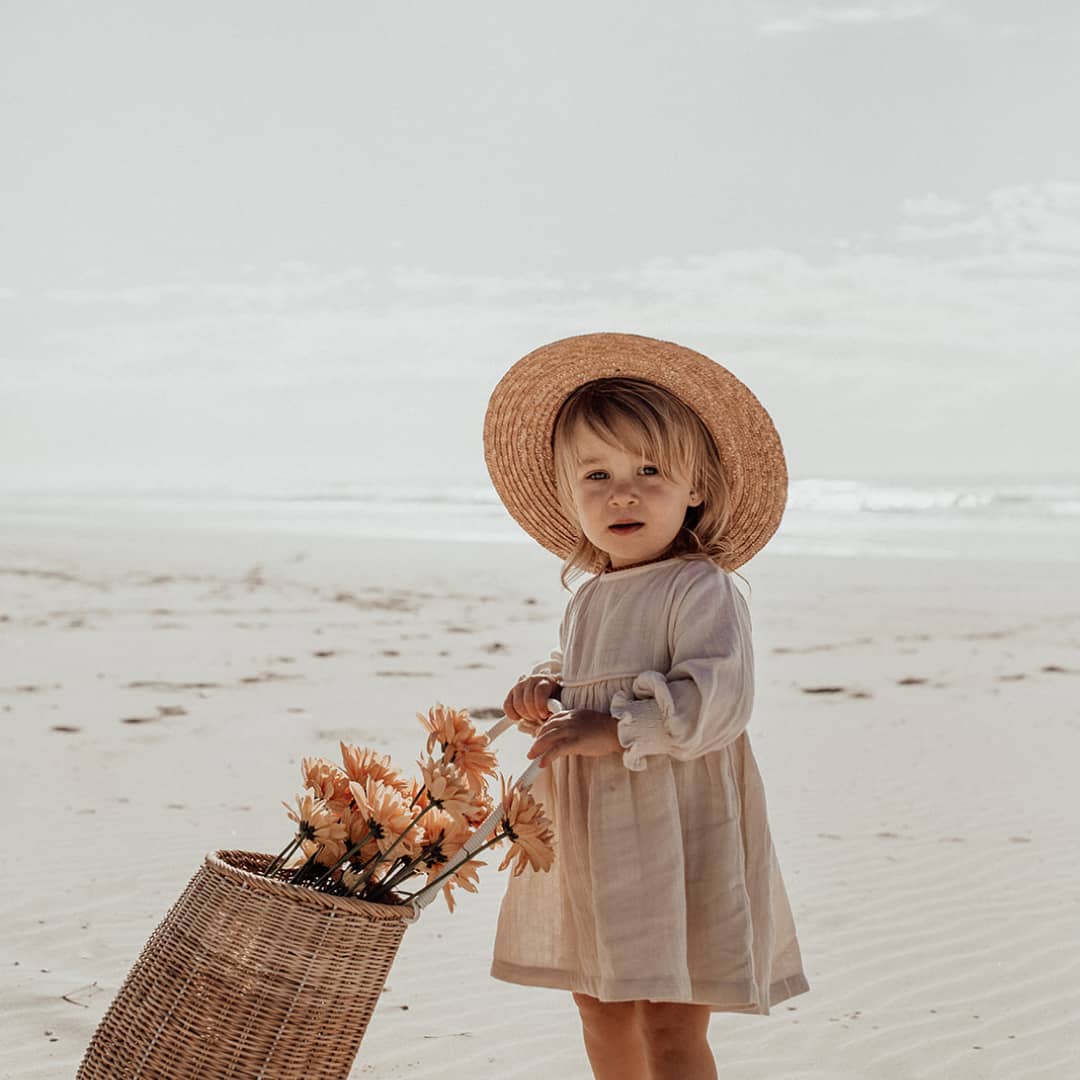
(597, 474)
(650, 470)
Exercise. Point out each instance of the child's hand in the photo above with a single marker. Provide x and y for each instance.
(527, 702)
(576, 731)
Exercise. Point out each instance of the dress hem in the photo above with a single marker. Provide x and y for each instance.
(735, 997)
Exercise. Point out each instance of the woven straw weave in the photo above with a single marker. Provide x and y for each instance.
(249, 977)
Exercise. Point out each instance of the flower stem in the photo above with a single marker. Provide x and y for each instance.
(497, 838)
(376, 860)
(298, 877)
(407, 868)
(344, 858)
(282, 857)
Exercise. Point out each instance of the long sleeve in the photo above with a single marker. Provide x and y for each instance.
(704, 701)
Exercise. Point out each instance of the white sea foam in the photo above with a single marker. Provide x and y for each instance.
(943, 518)
(987, 496)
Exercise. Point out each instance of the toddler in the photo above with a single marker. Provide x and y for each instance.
(657, 472)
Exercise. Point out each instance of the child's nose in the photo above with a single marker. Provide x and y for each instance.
(623, 491)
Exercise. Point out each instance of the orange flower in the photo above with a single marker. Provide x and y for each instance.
(443, 839)
(363, 764)
(360, 832)
(410, 791)
(466, 876)
(532, 839)
(461, 743)
(327, 782)
(385, 812)
(482, 805)
(318, 828)
(324, 853)
(446, 788)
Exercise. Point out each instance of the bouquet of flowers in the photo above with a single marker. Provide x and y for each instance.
(271, 966)
(365, 830)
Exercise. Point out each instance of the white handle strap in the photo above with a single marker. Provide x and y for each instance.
(483, 831)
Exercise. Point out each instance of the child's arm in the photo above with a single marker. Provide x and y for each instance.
(703, 703)
(527, 699)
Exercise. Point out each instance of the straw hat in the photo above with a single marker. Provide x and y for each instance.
(521, 418)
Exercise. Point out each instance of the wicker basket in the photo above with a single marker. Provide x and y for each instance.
(249, 977)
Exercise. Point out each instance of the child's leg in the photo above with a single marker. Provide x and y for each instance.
(675, 1038)
(612, 1038)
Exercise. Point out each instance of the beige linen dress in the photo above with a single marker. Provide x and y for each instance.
(665, 885)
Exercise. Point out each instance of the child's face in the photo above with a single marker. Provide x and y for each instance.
(625, 507)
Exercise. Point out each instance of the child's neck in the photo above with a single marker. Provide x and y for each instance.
(609, 569)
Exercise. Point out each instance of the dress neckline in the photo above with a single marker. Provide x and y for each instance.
(640, 568)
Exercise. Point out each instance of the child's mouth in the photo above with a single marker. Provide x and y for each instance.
(625, 527)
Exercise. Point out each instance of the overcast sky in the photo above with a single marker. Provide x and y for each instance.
(242, 242)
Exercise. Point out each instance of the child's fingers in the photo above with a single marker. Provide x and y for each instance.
(546, 761)
(518, 704)
(528, 699)
(529, 727)
(559, 748)
(548, 754)
(510, 705)
(541, 743)
(537, 693)
(552, 736)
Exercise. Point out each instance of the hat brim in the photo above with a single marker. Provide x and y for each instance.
(521, 416)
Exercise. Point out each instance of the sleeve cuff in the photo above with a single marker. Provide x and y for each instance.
(640, 729)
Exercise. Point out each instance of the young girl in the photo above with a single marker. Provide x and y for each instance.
(657, 471)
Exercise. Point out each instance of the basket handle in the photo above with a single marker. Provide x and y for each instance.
(484, 830)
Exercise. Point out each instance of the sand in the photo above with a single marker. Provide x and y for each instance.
(917, 725)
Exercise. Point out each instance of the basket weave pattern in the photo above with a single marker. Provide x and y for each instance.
(249, 977)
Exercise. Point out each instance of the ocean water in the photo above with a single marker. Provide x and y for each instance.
(944, 517)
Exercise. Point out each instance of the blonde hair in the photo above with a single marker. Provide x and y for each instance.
(637, 415)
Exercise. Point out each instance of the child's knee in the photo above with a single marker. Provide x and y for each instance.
(598, 1015)
(670, 1025)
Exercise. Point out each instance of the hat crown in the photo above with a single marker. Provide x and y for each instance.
(524, 405)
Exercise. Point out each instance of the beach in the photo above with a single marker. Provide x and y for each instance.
(917, 725)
